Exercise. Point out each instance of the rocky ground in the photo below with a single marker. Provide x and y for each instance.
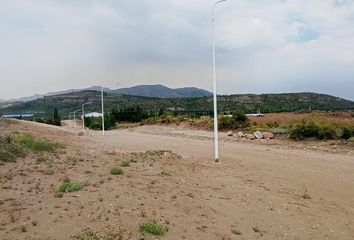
(267, 190)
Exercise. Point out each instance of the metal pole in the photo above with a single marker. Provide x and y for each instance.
(83, 116)
(74, 122)
(102, 112)
(216, 133)
(102, 88)
(69, 119)
(75, 118)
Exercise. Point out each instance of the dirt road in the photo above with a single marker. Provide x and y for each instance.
(255, 192)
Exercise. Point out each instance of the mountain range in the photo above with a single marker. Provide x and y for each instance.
(154, 91)
(196, 106)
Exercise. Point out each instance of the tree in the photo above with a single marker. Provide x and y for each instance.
(56, 117)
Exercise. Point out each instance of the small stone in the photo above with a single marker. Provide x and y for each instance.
(268, 135)
(230, 133)
(258, 135)
(250, 137)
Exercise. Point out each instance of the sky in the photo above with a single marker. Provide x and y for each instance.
(262, 46)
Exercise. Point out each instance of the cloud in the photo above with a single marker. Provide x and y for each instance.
(262, 45)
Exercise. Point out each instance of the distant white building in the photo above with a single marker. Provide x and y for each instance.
(93, 114)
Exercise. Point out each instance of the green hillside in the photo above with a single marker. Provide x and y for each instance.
(248, 103)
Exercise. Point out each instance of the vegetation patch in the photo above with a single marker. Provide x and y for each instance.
(9, 149)
(306, 195)
(71, 187)
(34, 145)
(236, 231)
(89, 234)
(116, 171)
(125, 164)
(319, 131)
(153, 228)
(41, 159)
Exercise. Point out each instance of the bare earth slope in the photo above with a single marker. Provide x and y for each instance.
(255, 192)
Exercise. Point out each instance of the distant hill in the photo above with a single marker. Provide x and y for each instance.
(157, 91)
(248, 103)
(160, 91)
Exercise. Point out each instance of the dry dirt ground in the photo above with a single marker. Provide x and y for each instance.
(257, 191)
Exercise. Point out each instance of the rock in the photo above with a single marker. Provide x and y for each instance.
(250, 137)
(351, 139)
(258, 135)
(241, 134)
(268, 135)
(230, 133)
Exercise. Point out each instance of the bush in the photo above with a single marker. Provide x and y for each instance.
(326, 132)
(226, 122)
(71, 187)
(313, 130)
(116, 171)
(346, 133)
(125, 164)
(30, 143)
(9, 150)
(240, 118)
(304, 130)
(153, 228)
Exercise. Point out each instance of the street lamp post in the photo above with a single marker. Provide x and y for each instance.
(216, 133)
(102, 88)
(83, 116)
(75, 117)
(69, 119)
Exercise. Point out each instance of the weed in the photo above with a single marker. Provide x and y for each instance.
(165, 173)
(236, 231)
(110, 234)
(41, 159)
(125, 164)
(32, 144)
(157, 152)
(142, 212)
(9, 150)
(153, 228)
(15, 204)
(256, 229)
(71, 187)
(116, 171)
(23, 228)
(306, 195)
(15, 211)
(58, 194)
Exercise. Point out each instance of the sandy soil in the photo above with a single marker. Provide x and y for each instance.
(257, 190)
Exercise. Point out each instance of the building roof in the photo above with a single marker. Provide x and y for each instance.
(93, 114)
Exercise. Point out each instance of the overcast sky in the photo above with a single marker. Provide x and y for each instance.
(263, 46)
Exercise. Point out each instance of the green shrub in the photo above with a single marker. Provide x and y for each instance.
(314, 130)
(41, 159)
(71, 187)
(240, 118)
(226, 122)
(116, 171)
(125, 164)
(30, 143)
(304, 130)
(109, 234)
(326, 132)
(153, 228)
(346, 133)
(9, 150)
